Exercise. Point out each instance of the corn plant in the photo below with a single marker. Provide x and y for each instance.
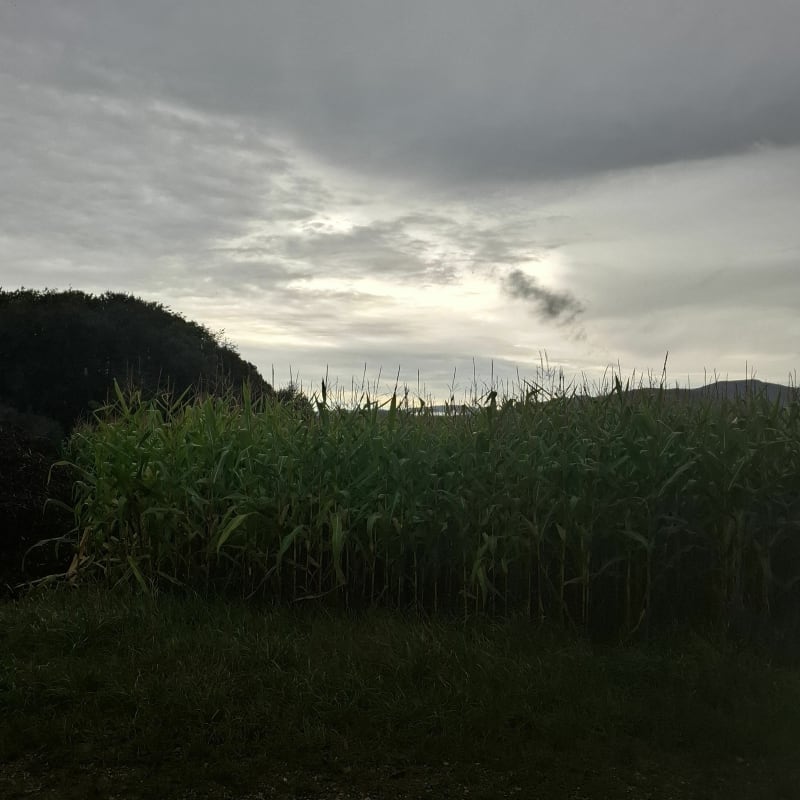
(618, 512)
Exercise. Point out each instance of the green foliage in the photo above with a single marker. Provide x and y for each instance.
(173, 697)
(612, 515)
(293, 396)
(60, 352)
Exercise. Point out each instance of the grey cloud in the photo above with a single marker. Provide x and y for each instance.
(721, 338)
(771, 284)
(414, 247)
(121, 191)
(766, 285)
(550, 303)
(333, 319)
(135, 194)
(382, 248)
(260, 276)
(232, 161)
(563, 89)
(385, 249)
(513, 239)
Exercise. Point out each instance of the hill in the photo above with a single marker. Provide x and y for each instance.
(727, 390)
(60, 352)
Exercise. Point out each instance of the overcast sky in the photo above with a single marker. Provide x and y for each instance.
(418, 184)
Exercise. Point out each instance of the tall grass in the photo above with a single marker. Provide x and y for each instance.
(614, 513)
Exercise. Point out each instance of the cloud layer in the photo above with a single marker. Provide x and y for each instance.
(417, 184)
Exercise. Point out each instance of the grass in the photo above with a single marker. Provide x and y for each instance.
(112, 694)
(387, 602)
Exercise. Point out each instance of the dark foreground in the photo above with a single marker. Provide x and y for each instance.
(107, 696)
(26, 517)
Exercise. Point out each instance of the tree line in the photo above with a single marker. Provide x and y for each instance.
(61, 351)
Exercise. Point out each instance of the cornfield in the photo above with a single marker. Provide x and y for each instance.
(615, 513)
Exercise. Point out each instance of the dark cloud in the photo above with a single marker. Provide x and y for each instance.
(552, 304)
(451, 92)
(384, 248)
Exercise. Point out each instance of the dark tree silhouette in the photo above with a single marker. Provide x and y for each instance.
(60, 352)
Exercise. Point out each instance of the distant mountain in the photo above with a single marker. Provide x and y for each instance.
(732, 390)
(718, 390)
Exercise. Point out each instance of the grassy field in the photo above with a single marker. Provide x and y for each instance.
(109, 694)
(541, 596)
